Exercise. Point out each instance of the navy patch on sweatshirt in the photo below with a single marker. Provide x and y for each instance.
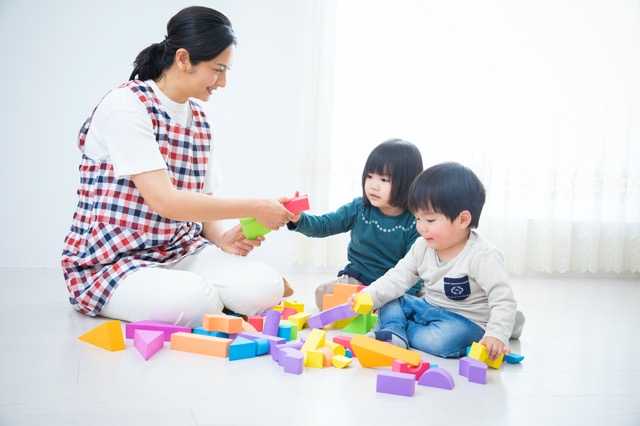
(457, 288)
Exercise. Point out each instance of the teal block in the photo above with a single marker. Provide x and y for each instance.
(242, 348)
(200, 330)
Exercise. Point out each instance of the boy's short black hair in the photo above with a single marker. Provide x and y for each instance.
(448, 189)
(401, 161)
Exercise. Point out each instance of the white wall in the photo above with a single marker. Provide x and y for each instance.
(60, 58)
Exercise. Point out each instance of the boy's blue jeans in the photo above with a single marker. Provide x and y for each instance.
(428, 328)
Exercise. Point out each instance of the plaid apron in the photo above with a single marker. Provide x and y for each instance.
(114, 232)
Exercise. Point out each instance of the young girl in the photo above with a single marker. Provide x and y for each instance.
(145, 242)
(467, 293)
(382, 229)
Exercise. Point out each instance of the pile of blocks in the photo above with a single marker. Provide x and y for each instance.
(275, 333)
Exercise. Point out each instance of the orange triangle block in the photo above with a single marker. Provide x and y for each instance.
(373, 353)
(107, 335)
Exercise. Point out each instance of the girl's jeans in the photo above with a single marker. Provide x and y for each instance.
(428, 328)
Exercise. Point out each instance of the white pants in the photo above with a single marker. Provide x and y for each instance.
(202, 283)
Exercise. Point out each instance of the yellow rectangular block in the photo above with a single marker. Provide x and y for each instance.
(200, 344)
(374, 353)
(313, 358)
(225, 323)
(479, 352)
(363, 303)
(315, 340)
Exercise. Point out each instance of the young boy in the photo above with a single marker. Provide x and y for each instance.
(466, 296)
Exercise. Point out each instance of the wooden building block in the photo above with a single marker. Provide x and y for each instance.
(219, 322)
(107, 335)
(373, 353)
(200, 344)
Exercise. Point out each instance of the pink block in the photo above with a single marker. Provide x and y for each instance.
(257, 321)
(148, 342)
(168, 329)
(396, 383)
(288, 311)
(297, 204)
(403, 367)
(436, 378)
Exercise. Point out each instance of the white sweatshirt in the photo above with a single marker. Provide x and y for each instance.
(474, 284)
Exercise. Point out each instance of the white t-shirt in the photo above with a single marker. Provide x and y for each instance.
(121, 133)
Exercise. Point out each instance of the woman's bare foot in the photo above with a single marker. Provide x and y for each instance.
(288, 291)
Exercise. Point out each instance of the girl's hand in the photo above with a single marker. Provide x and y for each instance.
(233, 241)
(352, 301)
(495, 348)
(272, 214)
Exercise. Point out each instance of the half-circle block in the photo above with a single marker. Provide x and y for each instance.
(148, 342)
(373, 353)
(341, 361)
(436, 378)
(107, 335)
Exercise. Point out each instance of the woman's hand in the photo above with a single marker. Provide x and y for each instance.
(233, 241)
(272, 214)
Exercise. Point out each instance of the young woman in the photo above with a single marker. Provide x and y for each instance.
(146, 242)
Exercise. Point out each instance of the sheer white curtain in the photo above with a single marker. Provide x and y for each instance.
(541, 99)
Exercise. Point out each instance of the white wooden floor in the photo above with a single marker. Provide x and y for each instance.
(582, 367)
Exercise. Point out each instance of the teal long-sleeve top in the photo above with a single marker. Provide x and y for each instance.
(377, 241)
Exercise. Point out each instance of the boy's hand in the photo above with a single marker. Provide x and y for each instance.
(494, 347)
(352, 301)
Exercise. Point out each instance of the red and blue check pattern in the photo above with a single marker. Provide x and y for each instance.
(114, 232)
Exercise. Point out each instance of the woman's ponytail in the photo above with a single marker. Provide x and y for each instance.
(151, 62)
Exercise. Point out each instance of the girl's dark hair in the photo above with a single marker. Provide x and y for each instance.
(401, 161)
(448, 189)
(205, 33)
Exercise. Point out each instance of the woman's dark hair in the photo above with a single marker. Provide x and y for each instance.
(205, 33)
(448, 189)
(401, 161)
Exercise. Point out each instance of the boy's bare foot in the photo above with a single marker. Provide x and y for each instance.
(288, 291)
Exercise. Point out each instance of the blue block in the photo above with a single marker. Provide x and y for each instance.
(242, 348)
(513, 358)
(200, 330)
